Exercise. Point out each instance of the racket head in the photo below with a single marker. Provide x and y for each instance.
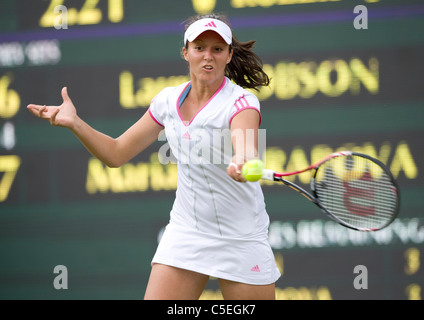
(356, 190)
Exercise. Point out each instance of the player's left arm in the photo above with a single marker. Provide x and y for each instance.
(244, 133)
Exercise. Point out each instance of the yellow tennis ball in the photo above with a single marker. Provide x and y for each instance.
(252, 170)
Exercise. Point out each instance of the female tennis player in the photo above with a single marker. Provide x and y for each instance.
(218, 224)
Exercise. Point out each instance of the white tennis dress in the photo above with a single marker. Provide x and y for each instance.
(218, 226)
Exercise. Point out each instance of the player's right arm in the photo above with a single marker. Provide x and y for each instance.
(112, 152)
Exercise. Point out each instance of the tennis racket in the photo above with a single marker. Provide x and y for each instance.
(354, 189)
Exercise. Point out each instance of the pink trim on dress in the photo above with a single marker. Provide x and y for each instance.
(154, 119)
(240, 110)
(178, 100)
(242, 104)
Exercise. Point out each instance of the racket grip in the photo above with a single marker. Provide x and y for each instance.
(268, 174)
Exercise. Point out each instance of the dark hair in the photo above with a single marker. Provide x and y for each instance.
(245, 67)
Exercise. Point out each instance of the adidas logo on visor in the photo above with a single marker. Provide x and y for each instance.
(211, 24)
(202, 25)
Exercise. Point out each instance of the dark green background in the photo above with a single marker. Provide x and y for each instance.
(106, 240)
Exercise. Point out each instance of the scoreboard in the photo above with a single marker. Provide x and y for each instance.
(345, 75)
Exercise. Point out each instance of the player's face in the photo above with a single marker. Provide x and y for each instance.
(208, 56)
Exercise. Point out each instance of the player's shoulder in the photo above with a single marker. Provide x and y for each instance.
(170, 92)
(240, 97)
(236, 92)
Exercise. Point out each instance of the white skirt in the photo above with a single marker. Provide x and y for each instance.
(247, 260)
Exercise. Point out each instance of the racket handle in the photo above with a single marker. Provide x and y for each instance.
(268, 174)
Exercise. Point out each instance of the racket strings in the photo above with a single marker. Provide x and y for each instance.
(357, 191)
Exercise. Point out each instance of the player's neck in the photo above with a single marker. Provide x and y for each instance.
(202, 91)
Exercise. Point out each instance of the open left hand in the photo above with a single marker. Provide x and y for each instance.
(63, 115)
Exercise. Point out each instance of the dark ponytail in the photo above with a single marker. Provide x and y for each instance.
(245, 67)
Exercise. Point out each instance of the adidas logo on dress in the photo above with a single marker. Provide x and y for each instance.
(186, 136)
(255, 269)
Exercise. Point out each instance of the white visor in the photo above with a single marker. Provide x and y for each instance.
(206, 24)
